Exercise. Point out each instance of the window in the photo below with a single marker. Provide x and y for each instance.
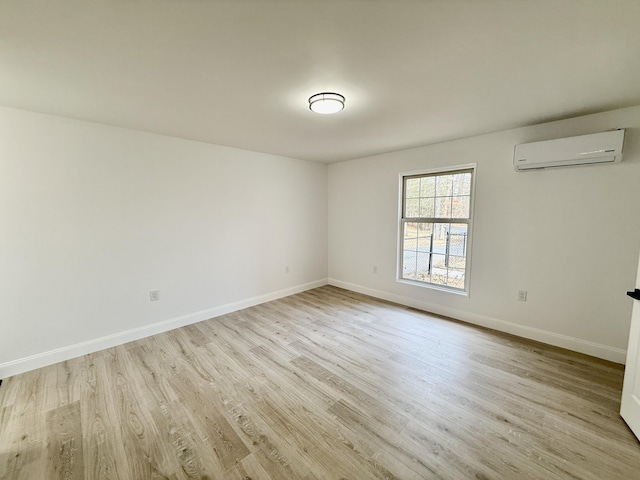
(435, 228)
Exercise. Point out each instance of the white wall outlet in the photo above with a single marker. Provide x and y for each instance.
(154, 295)
(286, 269)
(375, 269)
(522, 295)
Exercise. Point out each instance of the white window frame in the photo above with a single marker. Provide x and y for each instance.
(401, 221)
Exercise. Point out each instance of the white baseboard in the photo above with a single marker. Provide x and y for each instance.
(571, 343)
(43, 359)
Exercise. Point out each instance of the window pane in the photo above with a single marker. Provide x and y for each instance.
(410, 230)
(460, 207)
(428, 187)
(455, 279)
(417, 241)
(425, 239)
(412, 207)
(443, 207)
(425, 244)
(412, 188)
(427, 207)
(409, 247)
(444, 185)
(458, 239)
(439, 270)
(439, 244)
(409, 264)
(440, 236)
(423, 266)
(462, 184)
(411, 244)
(424, 229)
(457, 263)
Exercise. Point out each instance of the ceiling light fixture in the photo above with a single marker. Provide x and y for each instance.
(326, 102)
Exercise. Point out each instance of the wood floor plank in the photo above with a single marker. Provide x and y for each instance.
(201, 407)
(23, 443)
(65, 457)
(325, 384)
(145, 456)
(105, 457)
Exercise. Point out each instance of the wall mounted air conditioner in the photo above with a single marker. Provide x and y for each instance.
(605, 147)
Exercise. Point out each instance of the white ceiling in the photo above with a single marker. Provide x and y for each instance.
(239, 72)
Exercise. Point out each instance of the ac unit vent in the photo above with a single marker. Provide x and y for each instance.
(605, 147)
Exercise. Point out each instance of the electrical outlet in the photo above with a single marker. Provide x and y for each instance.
(154, 295)
(522, 295)
(375, 269)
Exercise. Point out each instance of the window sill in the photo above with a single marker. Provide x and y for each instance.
(455, 291)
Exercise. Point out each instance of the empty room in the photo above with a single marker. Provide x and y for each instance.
(345, 239)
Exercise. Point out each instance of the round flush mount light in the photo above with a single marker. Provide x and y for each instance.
(326, 103)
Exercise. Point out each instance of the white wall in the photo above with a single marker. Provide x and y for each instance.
(93, 217)
(568, 236)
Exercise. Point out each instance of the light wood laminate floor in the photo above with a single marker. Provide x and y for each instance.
(326, 384)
